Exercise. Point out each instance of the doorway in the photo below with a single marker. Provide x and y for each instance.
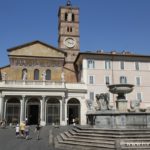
(33, 111)
(73, 110)
(33, 114)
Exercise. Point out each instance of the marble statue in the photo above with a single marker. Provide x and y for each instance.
(24, 75)
(135, 105)
(102, 101)
(44, 76)
(4, 74)
(62, 77)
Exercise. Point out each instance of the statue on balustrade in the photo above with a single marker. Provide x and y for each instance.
(4, 75)
(24, 78)
(43, 75)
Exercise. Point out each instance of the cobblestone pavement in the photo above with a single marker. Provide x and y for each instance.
(8, 140)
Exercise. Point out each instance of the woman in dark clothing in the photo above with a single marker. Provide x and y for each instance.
(38, 131)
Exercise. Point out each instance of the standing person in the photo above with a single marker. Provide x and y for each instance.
(27, 130)
(26, 120)
(38, 131)
(17, 130)
(22, 128)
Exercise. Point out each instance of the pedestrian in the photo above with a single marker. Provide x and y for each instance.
(22, 128)
(3, 124)
(17, 130)
(26, 120)
(73, 121)
(27, 130)
(38, 131)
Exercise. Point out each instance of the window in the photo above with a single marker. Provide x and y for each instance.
(122, 65)
(73, 17)
(36, 74)
(123, 80)
(91, 64)
(107, 64)
(91, 79)
(139, 96)
(48, 74)
(91, 96)
(136, 65)
(107, 80)
(69, 29)
(138, 81)
(66, 16)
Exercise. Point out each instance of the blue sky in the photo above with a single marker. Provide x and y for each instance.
(104, 24)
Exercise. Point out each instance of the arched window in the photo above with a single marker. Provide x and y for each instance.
(68, 29)
(66, 16)
(36, 74)
(24, 74)
(48, 74)
(73, 17)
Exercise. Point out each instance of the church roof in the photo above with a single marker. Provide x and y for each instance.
(32, 43)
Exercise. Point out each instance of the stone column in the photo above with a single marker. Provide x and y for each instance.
(5, 107)
(1, 107)
(63, 111)
(22, 111)
(42, 101)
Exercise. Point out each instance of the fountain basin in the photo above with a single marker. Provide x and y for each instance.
(120, 88)
(119, 120)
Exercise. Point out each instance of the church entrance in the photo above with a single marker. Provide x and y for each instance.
(33, 112)
(73, 110)
(53, 111)
(13, 111)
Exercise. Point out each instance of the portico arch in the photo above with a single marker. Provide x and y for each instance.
(73, 110)
(13, 110)
(33, 110)
(53, 111)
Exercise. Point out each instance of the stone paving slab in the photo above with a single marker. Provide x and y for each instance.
(8, 140)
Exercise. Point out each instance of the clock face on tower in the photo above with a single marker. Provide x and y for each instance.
(69, 42)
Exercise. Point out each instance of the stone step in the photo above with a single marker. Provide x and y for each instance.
(88, 137)
(86, 140)
(74, 145)
(91, 139)
(109, 134)
(115, 132)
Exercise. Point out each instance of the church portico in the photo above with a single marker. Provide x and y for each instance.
(38, 105)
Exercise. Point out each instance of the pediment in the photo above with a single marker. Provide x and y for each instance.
(36, 49)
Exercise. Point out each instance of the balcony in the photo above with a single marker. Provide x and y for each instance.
(19, 84)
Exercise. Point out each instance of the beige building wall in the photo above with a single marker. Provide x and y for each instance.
(114, 73)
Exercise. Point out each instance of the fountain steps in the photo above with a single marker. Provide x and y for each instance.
(98, 139)
(109, 132)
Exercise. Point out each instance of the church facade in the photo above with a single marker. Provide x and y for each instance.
(50, 85)
(40, 84)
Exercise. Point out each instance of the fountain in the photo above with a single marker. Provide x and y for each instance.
(105, 117)
(115, 129)
(121, 90)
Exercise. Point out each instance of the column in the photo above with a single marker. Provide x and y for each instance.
(42, 101)
(63, 111)
(5, 107)
(22, 111)
(1, 107)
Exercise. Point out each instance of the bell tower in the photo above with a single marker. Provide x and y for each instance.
(68, 31)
